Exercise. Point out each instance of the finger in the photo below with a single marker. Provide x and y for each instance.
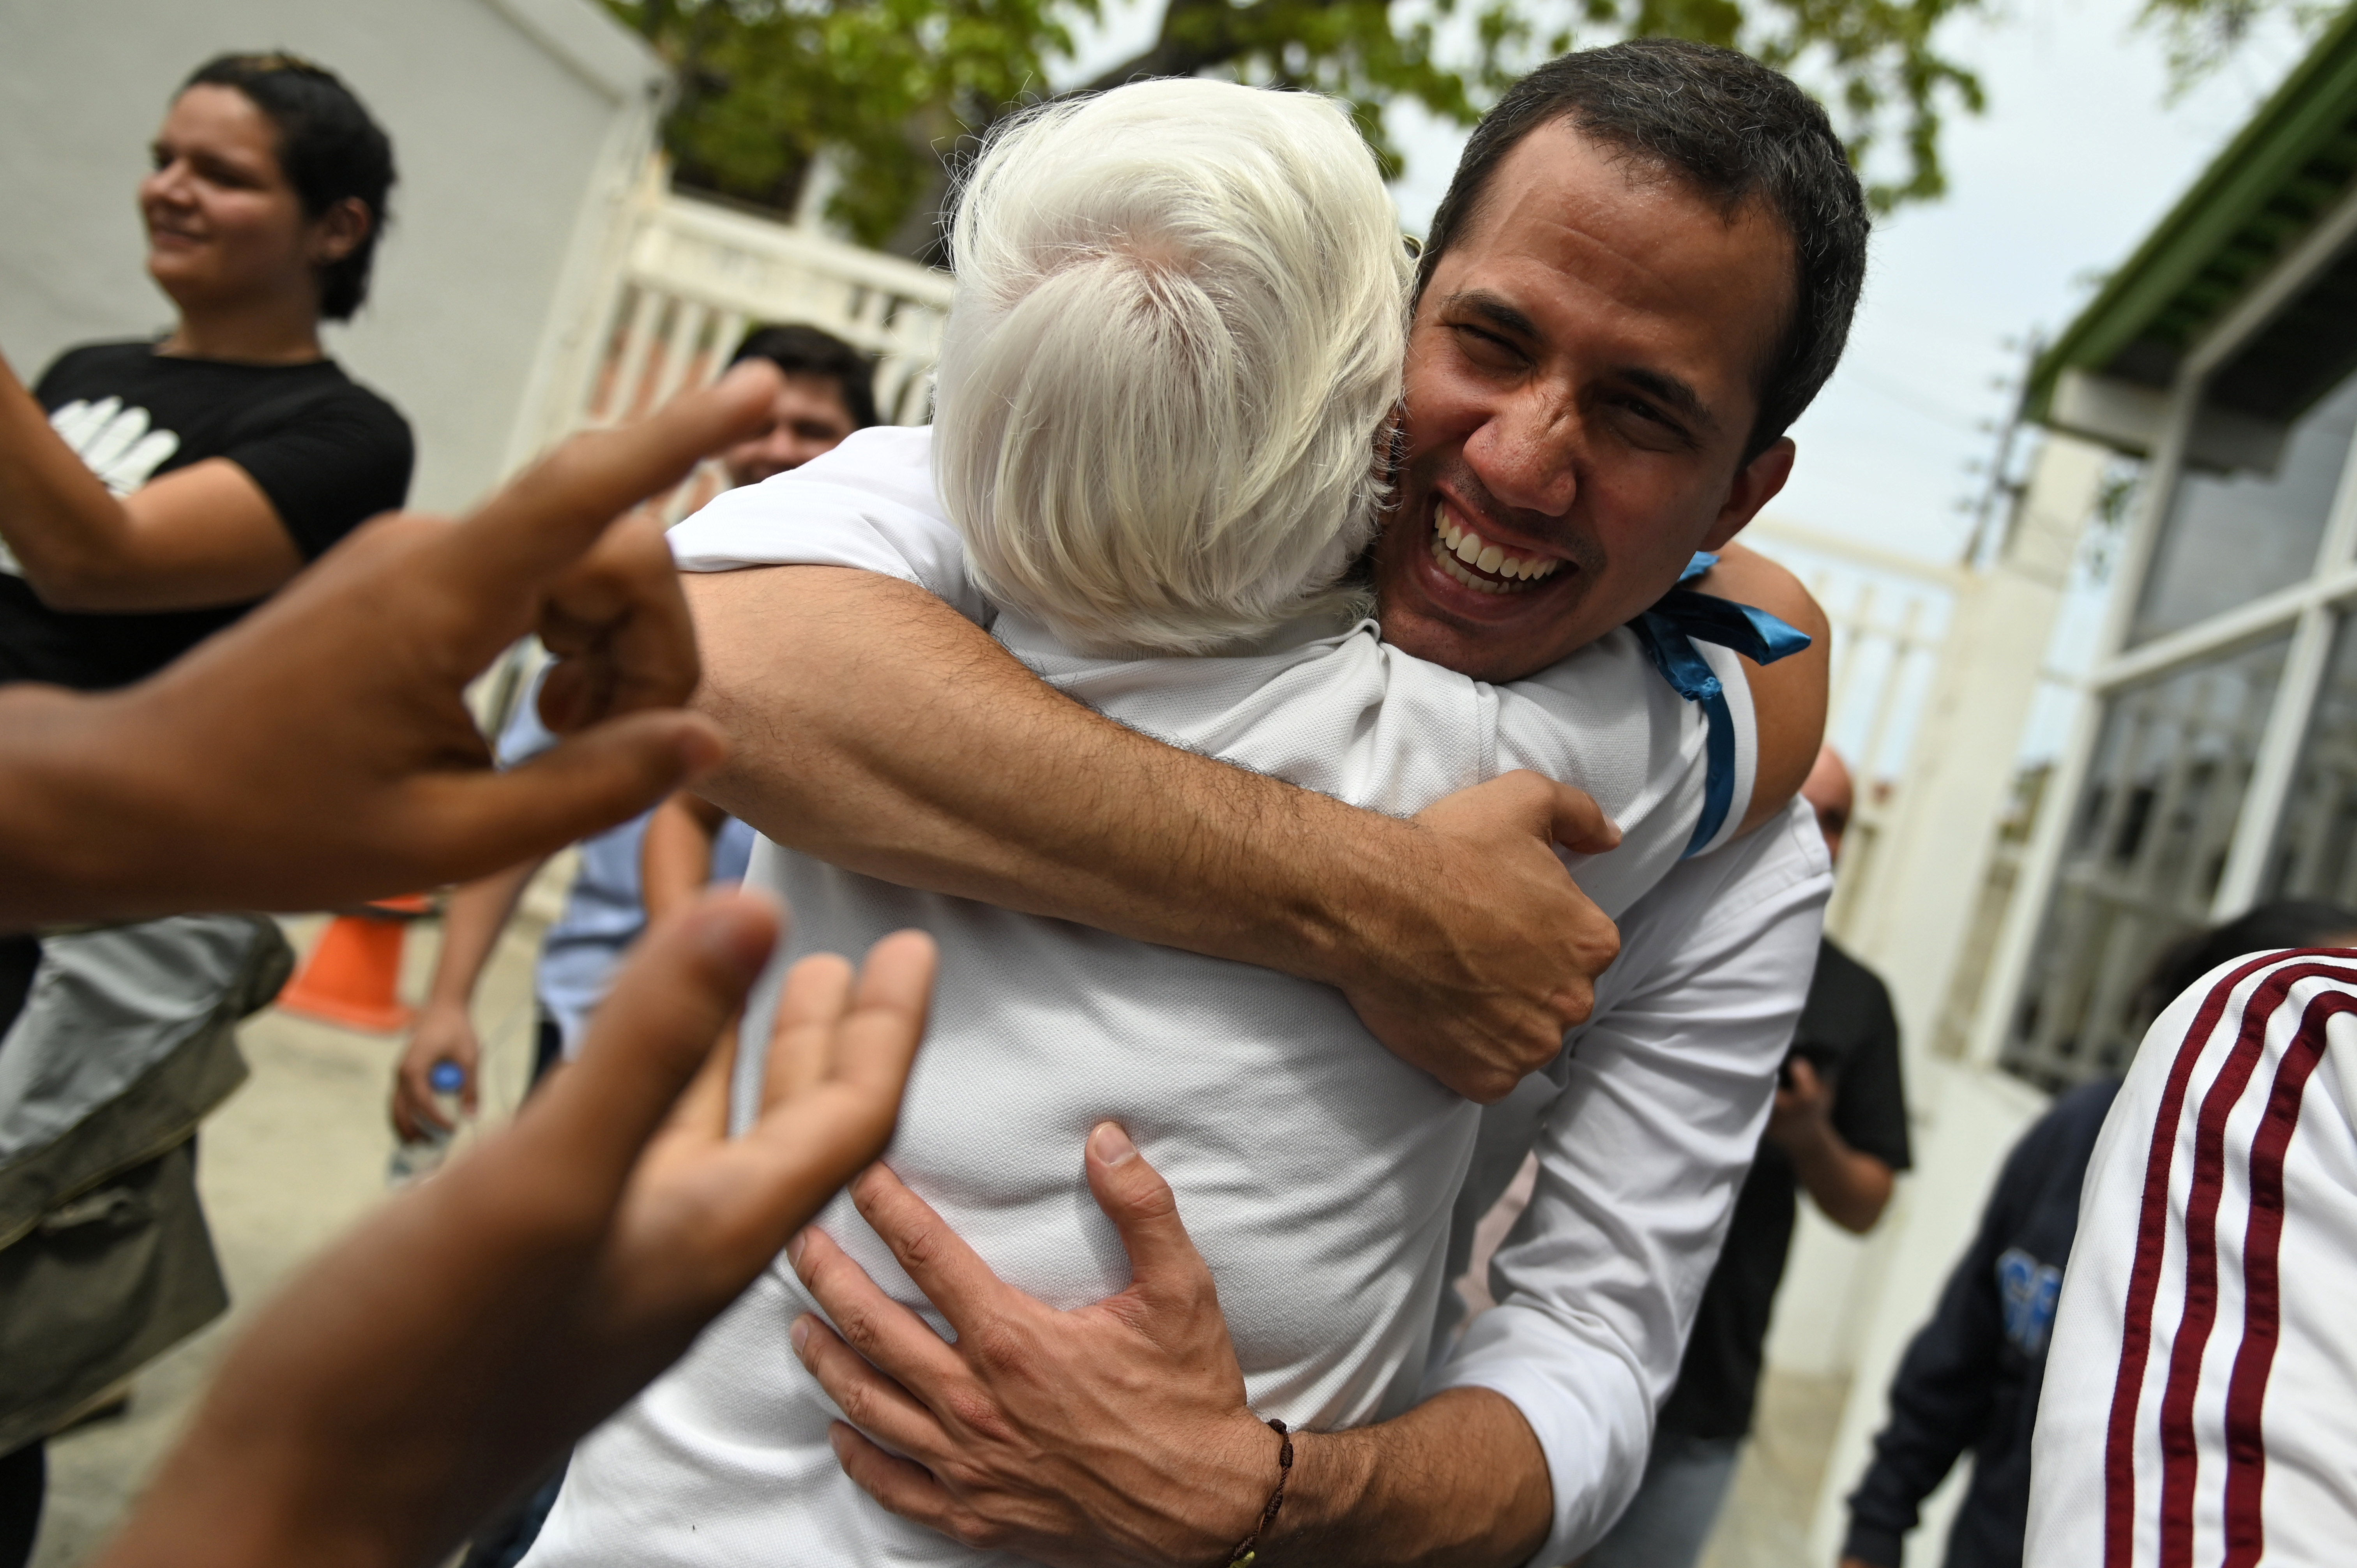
(703, 1110)
(549, 515)
(886, 1334)
(652, 1033)
(811, 1007)
(950, 1274)
(866, 1398)
(1576, 822)
(471, 824)
(900, 1485)
(413, 1101)
(876, 1043)
(1162, 1257)
(622, 607)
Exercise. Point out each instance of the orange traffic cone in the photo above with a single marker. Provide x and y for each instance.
(350, 977)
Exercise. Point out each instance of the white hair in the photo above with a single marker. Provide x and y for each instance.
(1179, 323)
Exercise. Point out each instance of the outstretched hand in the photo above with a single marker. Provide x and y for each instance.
(1115, 1435)
(319, 752)
(448, 1349)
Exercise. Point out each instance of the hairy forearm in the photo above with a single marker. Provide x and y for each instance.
(876, 728)
(1458, 1482)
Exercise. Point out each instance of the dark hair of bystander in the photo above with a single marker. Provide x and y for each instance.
(800, 350)
(2286, 923)
(328, 148)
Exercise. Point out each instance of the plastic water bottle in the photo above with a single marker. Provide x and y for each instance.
(414, 1159)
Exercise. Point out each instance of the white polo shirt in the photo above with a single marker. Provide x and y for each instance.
(1315, 1171)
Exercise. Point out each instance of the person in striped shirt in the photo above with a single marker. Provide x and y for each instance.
(2200, 1395)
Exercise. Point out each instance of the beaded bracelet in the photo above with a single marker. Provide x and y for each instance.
(1249, 1548)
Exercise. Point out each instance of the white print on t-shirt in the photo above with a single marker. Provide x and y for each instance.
(113, 442)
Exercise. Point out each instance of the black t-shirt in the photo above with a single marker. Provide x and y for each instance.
(328, 452)
(1850, 1035)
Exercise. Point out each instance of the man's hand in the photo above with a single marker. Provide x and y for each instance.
(1118, 1434)
(319, 752)
(446, 1351)
(1850, 1186)
(1802, 1117)
(1115, 1434)
(445, 1033)
(1477, 967)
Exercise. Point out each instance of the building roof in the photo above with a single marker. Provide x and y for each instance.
(2282, 172)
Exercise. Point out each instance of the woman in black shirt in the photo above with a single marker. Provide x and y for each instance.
(160, 488)
(149, 497)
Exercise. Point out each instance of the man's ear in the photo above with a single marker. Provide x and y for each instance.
(1756, 484)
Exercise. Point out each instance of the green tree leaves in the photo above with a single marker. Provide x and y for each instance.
(886, 89)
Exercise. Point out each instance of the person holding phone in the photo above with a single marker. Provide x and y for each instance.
(1838, 1132)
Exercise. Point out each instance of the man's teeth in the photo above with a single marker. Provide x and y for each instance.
(1453, 544)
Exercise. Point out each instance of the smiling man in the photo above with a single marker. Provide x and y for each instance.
(1643, 273)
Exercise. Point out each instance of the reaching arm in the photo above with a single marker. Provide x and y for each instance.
(874, 727)
(203, 535)
(458, 1341)
(321, 752)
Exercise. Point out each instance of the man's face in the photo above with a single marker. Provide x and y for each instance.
(809, 420)
(1582, 375)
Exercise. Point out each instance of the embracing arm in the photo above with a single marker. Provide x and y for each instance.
(204, 535)
(1118, 1434)
(874, 727)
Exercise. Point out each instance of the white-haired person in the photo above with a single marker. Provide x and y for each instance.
(1175, 343)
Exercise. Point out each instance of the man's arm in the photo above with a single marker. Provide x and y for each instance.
(471, 923)
(1118, 1434)
(1940, 1396)
(877, 729)
(1851, 1185)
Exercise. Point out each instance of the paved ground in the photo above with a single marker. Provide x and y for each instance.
(299, 1153)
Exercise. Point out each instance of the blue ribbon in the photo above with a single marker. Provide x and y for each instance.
(1668, 631)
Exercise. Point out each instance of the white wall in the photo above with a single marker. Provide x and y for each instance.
(518, 128)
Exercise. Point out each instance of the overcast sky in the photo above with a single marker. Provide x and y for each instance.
(2078, 155)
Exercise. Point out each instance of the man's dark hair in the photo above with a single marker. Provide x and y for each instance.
(328, 148)
(801, 350)
(1734, 132)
